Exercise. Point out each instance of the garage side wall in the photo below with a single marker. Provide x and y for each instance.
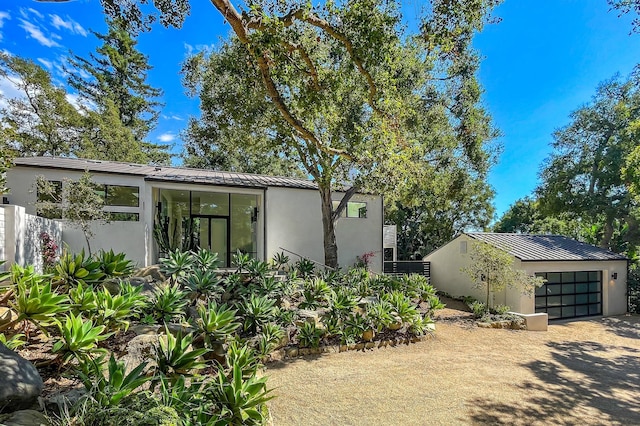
(294, 222)
(446, 263)
(614, 291)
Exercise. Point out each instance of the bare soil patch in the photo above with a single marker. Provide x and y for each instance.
(577, 373)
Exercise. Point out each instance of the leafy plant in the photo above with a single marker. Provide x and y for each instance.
(243, 356)
(174, 357)
(216, 323)
(380, 314)
(79, 339)
(37, 303)
(240, 261)
(257, 268)
(72, 269)
(402, 305)
(83, 299)
(342, 302)
(309, 335)
(109, 390)
(114, 264)
(168, 302)
(14, 342)
(356, 324)
(177, 265)
(316, 293)
(420, 326)
(501, 309)
(280, 260)
(478, 308)
(203, 282)
(240, 398)
(434, 303)
(269, 338)
(305, 267)
(113, 311)
(205, 259)
(333, 325)
(257, 311)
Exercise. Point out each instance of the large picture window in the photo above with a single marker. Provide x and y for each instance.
(356, 209)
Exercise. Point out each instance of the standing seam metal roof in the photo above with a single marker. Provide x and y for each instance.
(166, 173)
(531, 247)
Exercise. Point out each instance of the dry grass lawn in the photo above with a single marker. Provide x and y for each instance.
(577, 373)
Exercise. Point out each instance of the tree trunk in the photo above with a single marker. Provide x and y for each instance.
(605, 243)
(328, 228)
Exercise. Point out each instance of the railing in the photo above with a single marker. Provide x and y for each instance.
(402, 267)
(304, 257)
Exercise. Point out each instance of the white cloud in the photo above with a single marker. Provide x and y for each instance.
(9, 89)
(35, 12)
(189, 48)
(36, 33)
(3, 16)
(69, 25)
(172, 117)
(46, 63)
(167, 137)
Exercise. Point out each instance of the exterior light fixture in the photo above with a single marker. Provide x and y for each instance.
(614, 276)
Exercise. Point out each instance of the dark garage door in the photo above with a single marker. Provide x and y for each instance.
(570, 294)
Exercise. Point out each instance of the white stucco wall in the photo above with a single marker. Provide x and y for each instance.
(128, 237)
(447, 261)
(21, 236)
(294, 222)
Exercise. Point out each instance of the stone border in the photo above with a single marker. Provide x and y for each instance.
(287, 353)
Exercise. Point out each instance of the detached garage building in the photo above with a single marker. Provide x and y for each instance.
(581, 279)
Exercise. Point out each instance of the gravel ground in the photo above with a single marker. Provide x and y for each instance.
(577, 373)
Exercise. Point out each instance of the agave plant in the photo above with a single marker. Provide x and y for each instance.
(177, 265)
(419, 325)
(37, 303)
(167, 303)
(379, 314)
(401, 304)
(83, 299)
(342, 302)
(205, 259)
(79, 339)
(309, 335)
(175, 357)
(240, 398)
(114, 311)
(114, 264)
(257, 311)
(244, 357)
(72, 269)
(109, 390)
(14, 342)
(240, 261)
(257, 268)
(203, 282)
(216, 323)
(269, 338)
(280, 260)
(305, 267)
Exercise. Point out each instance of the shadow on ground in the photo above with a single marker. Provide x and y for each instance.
(624, 326)
(582, 378)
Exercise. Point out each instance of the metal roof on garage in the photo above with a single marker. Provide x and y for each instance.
(166, 173)
(534, 247)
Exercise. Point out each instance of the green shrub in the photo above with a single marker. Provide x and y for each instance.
(83, 299)
(174, 356)
(114, 311)
(37, 303)
(139, 409)
(269, 338)
(203, 282)
(501, 309)
(177, 265)
(305, 267)
(380, 314)
(114, 264)
(72, 269)
(79, 339)
(205, 260)
(309, 335)
(478, 309)
(257, 311)
(419, 326)
(216, 323)
(167, 303)
(14, 342)
(342, 302)
(401, 305)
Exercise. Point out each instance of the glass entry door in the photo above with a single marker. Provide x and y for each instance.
(213, 235)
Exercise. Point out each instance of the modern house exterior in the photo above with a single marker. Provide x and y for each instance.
(221, 211)
(580, 279)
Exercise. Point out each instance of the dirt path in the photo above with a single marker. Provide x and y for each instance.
(581, 372)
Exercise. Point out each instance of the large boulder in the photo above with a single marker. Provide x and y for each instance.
(21, 383)
(24, 418)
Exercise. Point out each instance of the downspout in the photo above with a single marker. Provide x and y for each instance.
(264, 224)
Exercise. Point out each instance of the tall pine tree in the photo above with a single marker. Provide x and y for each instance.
(117, 75)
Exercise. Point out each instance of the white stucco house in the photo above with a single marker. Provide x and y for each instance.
(221, 211)
(581, 280)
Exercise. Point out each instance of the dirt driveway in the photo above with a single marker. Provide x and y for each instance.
(577, 373)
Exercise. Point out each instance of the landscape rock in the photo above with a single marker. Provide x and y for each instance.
(21, 382)
(24, 418)
(307, 315)
(152, 271)
(140, 349)
(7, 315)
(59, 401)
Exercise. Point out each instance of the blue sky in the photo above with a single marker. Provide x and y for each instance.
(542, 61)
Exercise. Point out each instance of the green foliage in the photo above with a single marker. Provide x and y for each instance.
(174, 356)
(37, 303)
(109, 390)
(79, 339)
(401, 305)
(203, 282)
(420, 326)
(178, 265)
(114, 264)
(114, 311)
(73, 269)
(280, 260)
(501, 309)
(380, 314)
(304, 267)
(478, 308)
(309, 335)
(240, 399)
(216, 323)
(205, 259)
(342, 302)
(240, 261)
(14, 342)
(316, 293)
(434, 304)
(257, 311)
(83, 299)
(269, 339)
(491, 269)
(167, 303)
(244, 357)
